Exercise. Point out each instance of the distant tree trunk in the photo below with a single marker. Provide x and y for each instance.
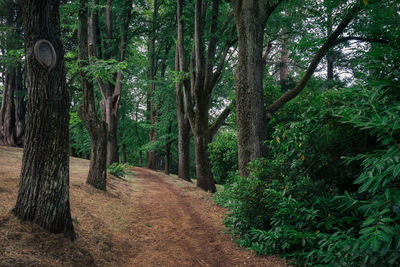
(250, 17)
(168, 152)
(167, 158)
(87, 112)
(183, 129)
(329, 55)
(43, 195)
(140, 160)
(151, 155)
(284, 65)
(124, 153)
(20, 107)
(7, 111)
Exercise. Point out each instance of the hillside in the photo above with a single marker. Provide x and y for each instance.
(147, 219)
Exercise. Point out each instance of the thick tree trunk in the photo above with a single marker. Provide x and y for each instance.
(183, 129)
(7, 111)
(197, 91)
(204, 175)
(43, 195)
(87, 111)
(250, 16)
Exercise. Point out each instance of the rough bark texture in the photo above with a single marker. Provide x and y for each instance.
(7, 111)
(250, 17)
(87, 112)
(183, 129)
(204, 74)
(43, 195)
(111, 92)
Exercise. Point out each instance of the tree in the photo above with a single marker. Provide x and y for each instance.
(198, 86)
(252, 117)
(111, 88)
(183, 128)
(13, 106)
(43, 195)
(95, 126)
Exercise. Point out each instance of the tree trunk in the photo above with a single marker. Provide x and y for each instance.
(87, 111)
(167, 157)
(284, 65)
(124, 154)
(250, 17)
(7, 111)
(111, 91)
(183, 129)
(204, 175)
(329, 55)
(20, 108)
(197, 92)
(112, 140)
(151, 155)
(43, 195)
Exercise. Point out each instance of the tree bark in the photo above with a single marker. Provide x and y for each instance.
(7, 111)
(250, 17)
(87, 112)
(183, 129)
(20, 107)
(111, 92)
(168, 152)
(198, 89)
(43, 195)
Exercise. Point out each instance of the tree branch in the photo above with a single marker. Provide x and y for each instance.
(213, 129)
(329, 43)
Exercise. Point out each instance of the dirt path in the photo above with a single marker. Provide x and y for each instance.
(184, 227)
(147, 219)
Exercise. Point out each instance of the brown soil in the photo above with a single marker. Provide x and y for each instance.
(147, 219)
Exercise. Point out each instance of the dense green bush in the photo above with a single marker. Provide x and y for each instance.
(292, 205)
(223, 156)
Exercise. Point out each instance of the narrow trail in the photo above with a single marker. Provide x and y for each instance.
(146, 219)
(182, 227)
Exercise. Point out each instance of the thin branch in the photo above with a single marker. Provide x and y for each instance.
(220, 120)
(329, 43)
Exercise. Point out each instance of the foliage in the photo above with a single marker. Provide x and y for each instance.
(79, 137)
(223, 155)
(118, 170)
(283, 208)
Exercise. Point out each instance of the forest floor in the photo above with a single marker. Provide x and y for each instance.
(145, 219)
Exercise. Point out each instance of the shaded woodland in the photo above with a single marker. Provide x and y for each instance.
(293, 106)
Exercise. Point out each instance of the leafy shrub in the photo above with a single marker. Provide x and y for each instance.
(118, 170)
(223, 156)
(285, 208)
